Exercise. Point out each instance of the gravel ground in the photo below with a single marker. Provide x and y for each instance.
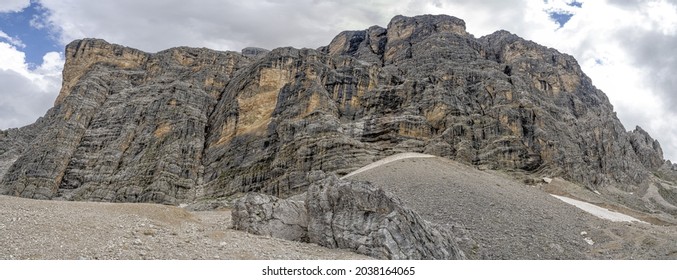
(492, 216)
(509, 220)
(38, 229)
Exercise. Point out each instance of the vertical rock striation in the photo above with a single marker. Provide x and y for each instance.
(127, 126)
(186, 123)
(367, 220)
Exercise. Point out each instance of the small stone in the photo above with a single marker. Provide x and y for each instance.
(137, 242)
(557, 248)
(589, 241)
(547, 180)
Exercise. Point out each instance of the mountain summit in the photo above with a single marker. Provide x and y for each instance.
(189, 124)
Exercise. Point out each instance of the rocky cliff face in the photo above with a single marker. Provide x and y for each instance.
(127, 125)
(187, 124)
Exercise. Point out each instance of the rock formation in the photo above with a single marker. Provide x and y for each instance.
(187, 124)
(254, 52)
(357, 216)
(347, 215)
(127, 125)
(270, 216)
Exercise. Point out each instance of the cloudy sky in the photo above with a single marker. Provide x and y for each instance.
(627, 47)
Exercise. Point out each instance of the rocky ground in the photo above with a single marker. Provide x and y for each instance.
(497, 217)
(491, 216)
(39, 229)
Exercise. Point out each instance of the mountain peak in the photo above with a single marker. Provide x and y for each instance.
(83, 54)
(425, 24)
(189, 124)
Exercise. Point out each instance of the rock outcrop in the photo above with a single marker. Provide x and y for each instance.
(270, 216)
(13, 143)
(347, 215)
(254, 51)
(357, 216)
(646, 148)
(187, 124)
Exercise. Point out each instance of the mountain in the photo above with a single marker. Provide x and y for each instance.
(193, 124)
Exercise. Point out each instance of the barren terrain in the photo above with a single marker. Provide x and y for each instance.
(39, 229)
(497, 217)
(491, 215)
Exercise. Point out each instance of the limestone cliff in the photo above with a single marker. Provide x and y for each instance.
(187, 124)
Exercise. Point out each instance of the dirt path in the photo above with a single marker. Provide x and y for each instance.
(386, 161)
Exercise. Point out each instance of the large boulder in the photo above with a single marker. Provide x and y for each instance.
(348, 215)
(359, 217)
(268, 215)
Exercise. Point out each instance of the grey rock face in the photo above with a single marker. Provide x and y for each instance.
(356, 216)
(668, 171)
(127, 125)
(647, 149)
(186, 124)
(267, 215)
(254, 52)
(13, 143)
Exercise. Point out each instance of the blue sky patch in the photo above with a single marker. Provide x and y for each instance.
(575, 4)
(560, 17)
(37, 41)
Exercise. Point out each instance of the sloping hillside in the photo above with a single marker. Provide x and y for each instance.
(505, 219)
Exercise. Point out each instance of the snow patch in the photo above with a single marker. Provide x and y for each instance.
(598, 211)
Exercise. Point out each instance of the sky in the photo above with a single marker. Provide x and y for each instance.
(627, 47)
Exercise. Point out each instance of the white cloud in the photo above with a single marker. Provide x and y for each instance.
(661, 16)
(12, 40)
(634, 46)
(11, 58)
(26, 94)
(220, 24)
(13, 5)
